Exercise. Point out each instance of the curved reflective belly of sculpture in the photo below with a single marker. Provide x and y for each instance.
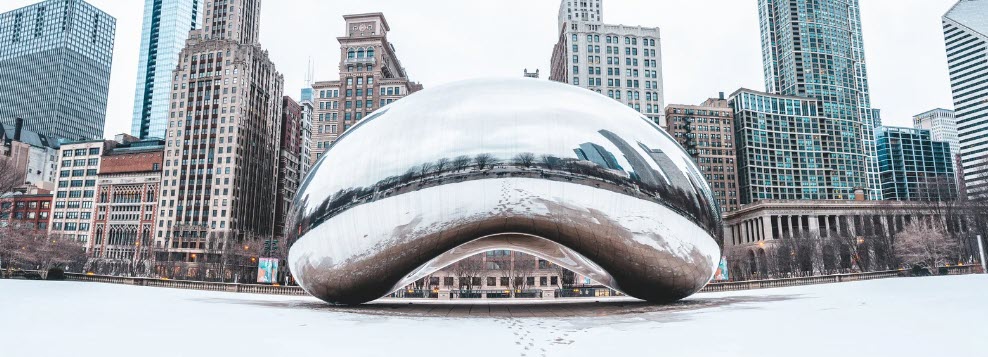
(447, 171)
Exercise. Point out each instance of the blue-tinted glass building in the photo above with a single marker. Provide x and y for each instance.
(814, 49)
(166, 27)
(55, 59)
(913, 167)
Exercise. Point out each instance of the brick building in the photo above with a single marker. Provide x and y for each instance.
(30, 208)
(706, 132)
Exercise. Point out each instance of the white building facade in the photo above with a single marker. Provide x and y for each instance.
(621, 62)
(965, 29)
(942, 125)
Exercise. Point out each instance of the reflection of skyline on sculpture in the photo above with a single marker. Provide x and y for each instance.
(600, 181)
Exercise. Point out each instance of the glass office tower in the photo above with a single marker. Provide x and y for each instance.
(166, 27)
(55, 59)
(913, 167)
(813, 48)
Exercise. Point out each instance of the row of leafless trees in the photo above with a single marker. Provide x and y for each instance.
(516, 269)
(32, 249)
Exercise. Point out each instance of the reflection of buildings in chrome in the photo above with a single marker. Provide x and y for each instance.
(643, 172)
(498, 273)
(598, 155)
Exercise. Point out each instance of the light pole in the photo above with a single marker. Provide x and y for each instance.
(981, 249)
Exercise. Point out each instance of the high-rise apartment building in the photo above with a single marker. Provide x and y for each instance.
(965, 30)
(126, 207)
(780, 146)
(814, 49)
(913, 166)
(55, 60)
(291, 168)
(622, 62)
(220, 178)
(166, 27)
(942, 125)
(706, 131)
(371, 77)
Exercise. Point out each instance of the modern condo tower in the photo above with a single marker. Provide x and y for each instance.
(166, 27)
(965, 30)
(220, 178)
(55, 59)
(621, 62)
(813, 49)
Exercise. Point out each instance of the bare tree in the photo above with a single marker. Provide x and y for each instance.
(460, 162)
(426, 169)
(441, 165)
(922, 245)
(484, 161)
(468, 270)
(10, 177)
(525, 159)
(551, 162)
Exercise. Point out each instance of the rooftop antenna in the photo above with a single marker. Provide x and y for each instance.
(310, 73)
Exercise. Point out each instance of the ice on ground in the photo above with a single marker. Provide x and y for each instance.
(936, 316)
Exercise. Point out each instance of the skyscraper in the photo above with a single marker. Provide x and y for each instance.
(965, 30)
(942, 125)
(166, 27)
(55, 59)
(371, 76)
(220, 179)
(622, 62)
(814, 49)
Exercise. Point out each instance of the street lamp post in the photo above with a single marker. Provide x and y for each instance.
(981, 249)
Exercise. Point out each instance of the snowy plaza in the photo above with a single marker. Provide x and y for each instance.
(934, 316)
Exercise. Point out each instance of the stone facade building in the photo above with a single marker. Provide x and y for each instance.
(706, 131)
(126, 206)
(371, 77)
(621, 62)
(30, 154)
(219, 184)
(75, 192)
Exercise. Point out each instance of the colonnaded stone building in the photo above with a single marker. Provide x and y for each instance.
(706, 131)
(371, 77)
(219, 185)
(619, 61)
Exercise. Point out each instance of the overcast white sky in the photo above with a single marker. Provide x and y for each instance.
(708, 46)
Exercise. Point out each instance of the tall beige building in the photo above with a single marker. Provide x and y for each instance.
(619, 61)
(219, 182)
(371, 76)
(706, 131)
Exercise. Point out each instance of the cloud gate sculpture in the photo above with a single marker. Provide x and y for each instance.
(534, 166)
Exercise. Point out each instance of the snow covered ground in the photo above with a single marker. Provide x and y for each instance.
(937, 316)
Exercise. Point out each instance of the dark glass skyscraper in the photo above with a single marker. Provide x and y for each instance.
(166, 27)
(55, 59)
(914, 167)
(813, 48)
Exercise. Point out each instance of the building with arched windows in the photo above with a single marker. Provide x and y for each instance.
(126, 204)
(371, 77)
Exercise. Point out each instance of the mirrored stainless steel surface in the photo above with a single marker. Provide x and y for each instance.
(422, 180)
